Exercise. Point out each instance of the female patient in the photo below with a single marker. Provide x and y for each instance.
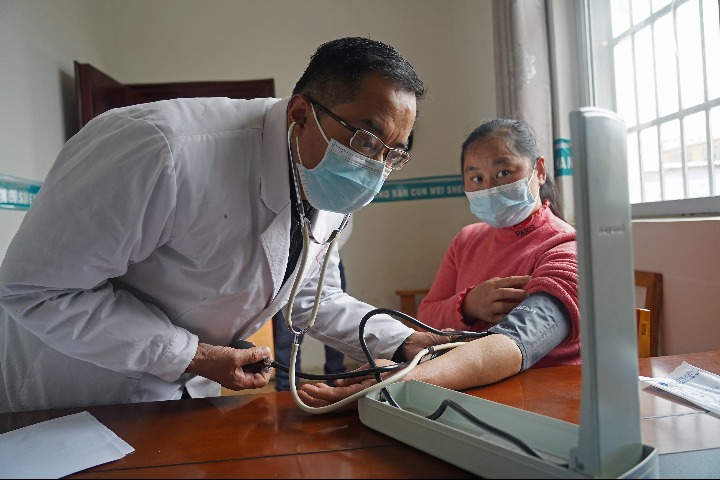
(514, 274)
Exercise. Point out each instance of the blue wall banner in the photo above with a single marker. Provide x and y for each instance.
(421, 188)
(17, 193)
(563, 157)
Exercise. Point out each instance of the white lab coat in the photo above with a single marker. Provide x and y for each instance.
(160, 226)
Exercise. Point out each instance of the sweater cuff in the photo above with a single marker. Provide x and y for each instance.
(458, 305)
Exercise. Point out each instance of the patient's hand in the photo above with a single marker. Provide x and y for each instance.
(321, 394)
(493, 299)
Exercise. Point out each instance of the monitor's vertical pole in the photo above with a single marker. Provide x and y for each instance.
(609, 438)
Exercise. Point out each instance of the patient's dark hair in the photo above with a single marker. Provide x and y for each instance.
(337, 68)
(519, 138)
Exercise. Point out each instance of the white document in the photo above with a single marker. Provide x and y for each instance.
(59, 447)
(693, 384)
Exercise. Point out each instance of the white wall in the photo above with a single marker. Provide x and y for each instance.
(394, 245)
(38, 42)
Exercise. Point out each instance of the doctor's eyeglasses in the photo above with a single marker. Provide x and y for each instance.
(365, 143)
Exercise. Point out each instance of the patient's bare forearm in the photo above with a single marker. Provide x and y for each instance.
(480, 362)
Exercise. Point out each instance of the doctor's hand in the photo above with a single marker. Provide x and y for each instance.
(420, 341)
(230, 367)
(493, 299)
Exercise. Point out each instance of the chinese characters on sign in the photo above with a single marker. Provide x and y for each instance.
(421, 188)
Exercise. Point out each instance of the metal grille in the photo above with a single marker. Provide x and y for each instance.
(664, 56)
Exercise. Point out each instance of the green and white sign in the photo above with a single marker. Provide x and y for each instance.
(17, 193)
(563, 157)
(421, 188)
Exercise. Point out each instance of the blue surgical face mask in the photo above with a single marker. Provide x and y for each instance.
(344, 181)
(503, 206)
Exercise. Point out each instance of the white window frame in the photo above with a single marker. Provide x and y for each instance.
(598, 88)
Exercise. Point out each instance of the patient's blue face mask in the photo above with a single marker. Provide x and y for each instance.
(344, 181)
(503, 206)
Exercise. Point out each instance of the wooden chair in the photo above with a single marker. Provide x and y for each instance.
(652, 284)
(642, 315)
(409, 302)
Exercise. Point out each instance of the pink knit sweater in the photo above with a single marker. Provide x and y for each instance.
(542, 246)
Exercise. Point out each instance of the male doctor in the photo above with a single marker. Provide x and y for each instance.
(166, 231)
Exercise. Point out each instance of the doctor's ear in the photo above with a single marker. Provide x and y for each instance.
(298, 110)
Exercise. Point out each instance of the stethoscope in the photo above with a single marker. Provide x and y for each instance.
(305, 228)
(307, 236)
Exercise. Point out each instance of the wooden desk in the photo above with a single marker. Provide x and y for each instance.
(246, 436)
(266, 435)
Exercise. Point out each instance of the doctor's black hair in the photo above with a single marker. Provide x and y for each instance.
(519, 138)
(337, 68)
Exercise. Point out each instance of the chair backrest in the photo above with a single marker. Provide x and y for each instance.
(652, 284)
(642, 315)
(409, 300)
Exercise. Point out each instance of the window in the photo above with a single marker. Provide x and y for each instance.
(657, 64)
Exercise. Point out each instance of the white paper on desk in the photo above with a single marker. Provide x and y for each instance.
(693, 384)
(59, 447)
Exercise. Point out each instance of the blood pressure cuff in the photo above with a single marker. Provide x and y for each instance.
(537, 325)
